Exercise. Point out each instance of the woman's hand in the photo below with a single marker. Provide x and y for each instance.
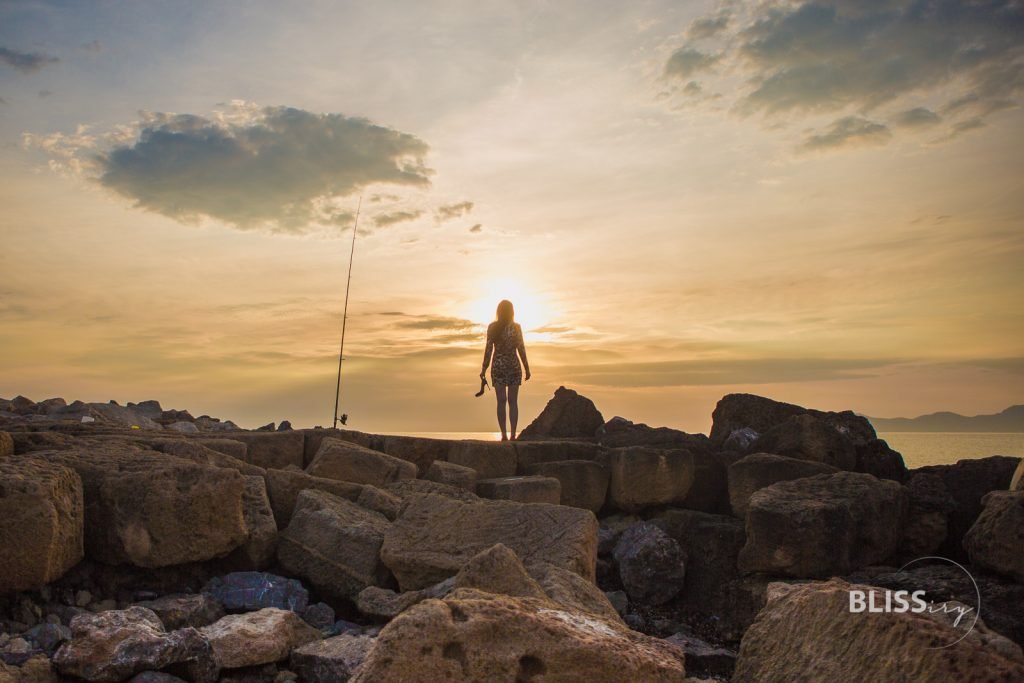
(482, 374)
(527, 374)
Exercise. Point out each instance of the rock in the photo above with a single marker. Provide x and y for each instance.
(501, 638)
(257, 637)
(284, 426)
(875, 457)
(651, 564)
(22, 405)
(567, 415)
(260, 547)
(646, 477)
(38, 669)
(41, 522)
(150, 409)
(740, 440)
(272, 450)
(199, 453)
(529, 453)
(409, 487)
(384, 604)
(6, 445)
(269, 427)
(498, 570)
(25, 442)
(284, 487)
(334, 544)
(334, 660)
(758, 470)
(967, 482)
(996, 541)
(572, 591)
(155, 677)
(927, 525)
(451, 474)
(417, 450)
(489, 459)
(346, 461)
(236, 449)
(213, 424)
(251, 591)
(169, 416)
(17, 651)
(823, 525)
(434, 536)
(183, 427)
(48, 637)
(114, 645)
(710, 489)
(379, 500)
(149, 510)
(1017, 481)
(83, 598)
(584, 483)
(184, 610)
(806, 437)
(529, 489)
(619, 432)
(320, 615)
(619, 600)
(739, 411)
(807, 631)
(704, 659)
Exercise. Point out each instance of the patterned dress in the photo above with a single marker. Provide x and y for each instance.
(504, 341)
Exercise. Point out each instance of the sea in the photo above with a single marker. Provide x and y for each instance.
(918, 448)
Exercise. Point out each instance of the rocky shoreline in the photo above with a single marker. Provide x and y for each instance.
(147, 545)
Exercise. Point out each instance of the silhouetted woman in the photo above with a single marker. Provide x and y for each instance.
(504, 340)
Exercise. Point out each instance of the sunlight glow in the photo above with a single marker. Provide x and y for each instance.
(532, 310)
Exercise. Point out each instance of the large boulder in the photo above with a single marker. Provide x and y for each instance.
(472, 636)
(152, 510)
(434, 536)
(567, 415)
(584, 483)
(183, 610)
(410, 487)
(498, 570)
(261, 637)
(996, 541)
(332, 660)
(41, 522)
(927, 516)
(417, 450)
(489, 459)
(619, 432)
(452, 474)
(823, 525)
(807, 437)
(115, 644)
(747, 411)
(875, 457)
(284, 487)
(808, 632)
(967, 482)
(758, 470)
(346, 461)
(258, 550)
(312, 438)
(204, 455)
(647, 477)
(525, 489)
(529, 453)
(710, 489)
(272, 450)
(572, 591)
(651, 564)
(334, 544)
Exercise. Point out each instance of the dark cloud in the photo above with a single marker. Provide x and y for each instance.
(385, 219)
(687, 61)
(707, 27)
(477, 228)
(275, 167)
(849, 131)
(25, 62)
(853, 58)
(450, 211)
(420, 322)
(918, 117)
(378, 198)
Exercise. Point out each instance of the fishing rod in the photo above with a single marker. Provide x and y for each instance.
(344, 315)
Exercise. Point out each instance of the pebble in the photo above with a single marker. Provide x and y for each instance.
(83, 598)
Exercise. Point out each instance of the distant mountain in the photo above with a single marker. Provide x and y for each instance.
(1010, 420)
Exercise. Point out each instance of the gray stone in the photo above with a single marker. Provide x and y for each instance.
(651, 564)
(256, 590)
(333, 660)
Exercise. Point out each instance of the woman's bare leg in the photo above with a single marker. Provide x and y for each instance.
(500, 393)
(513, 407)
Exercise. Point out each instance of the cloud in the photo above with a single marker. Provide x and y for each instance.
(863, 59)
(25, 62)
(385, 219)
(687, 61)
(450, 211)
(477, 228)
(849, 131)
(420, 322)
(918, 117)
(276, 168)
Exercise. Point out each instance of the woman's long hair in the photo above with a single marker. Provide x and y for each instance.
(506, 314)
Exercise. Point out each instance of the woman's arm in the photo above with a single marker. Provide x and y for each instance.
(521, 347)
(488, 347)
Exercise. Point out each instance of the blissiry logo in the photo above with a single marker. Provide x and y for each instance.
(878, 600)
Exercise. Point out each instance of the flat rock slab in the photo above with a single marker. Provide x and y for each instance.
(284, 486)
(758, 470)
(334, 544)
(272, 450)
(257, 637)
(807, 632)
(449, 473)
(181, 611)
(996, 541)
(333, 660)
(501, 638)
(434, 536)
(533, 452)
(584, 483)
(525, 489)
(642, 477)
(347, 461)
(489, 459)
(42, 518)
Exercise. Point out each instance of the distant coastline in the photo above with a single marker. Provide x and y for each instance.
(1010, 420)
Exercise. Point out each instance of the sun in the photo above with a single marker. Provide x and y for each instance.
(531, 309)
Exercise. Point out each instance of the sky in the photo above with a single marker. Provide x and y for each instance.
(819, 202)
